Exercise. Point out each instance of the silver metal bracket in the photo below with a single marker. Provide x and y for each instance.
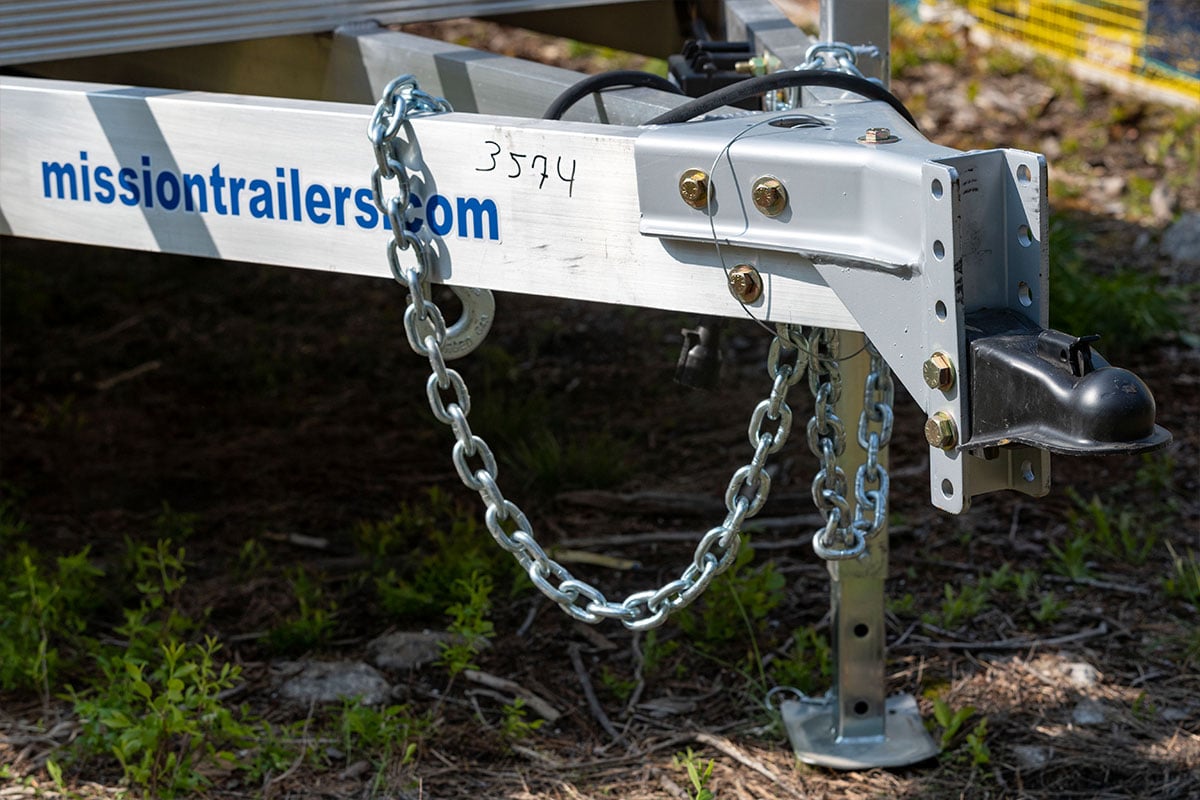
(910, 235)
(812, 728)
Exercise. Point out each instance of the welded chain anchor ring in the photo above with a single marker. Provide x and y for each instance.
(474, 461)
(401, 100)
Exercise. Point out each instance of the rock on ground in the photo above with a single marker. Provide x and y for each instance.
(332, 682)
(1182, 240)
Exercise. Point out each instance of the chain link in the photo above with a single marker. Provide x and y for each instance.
(425, 328)
(830, 56)
(845, 536)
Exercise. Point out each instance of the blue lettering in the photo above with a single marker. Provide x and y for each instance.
(369, 217)
(83, 173)
(340, 195)
(147, 193)
(127, 177)
(438, 203)
(316, 203)
(282, 194)
(197, 183)
(105, 191)
(475, 209)
(414, 224)
(261, 205)
(170, 203)
(63, 173)
(235, 189)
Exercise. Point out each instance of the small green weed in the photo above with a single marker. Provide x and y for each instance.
(808, 665)
(469, 620)
(959, 607)
(621, 688)
(699, 774)
(1157, 473)
(163, 721)
(312, 623)
(903, 605)
(549, 466)
(59, 415)
(252, 559)
(514, 727)
(977, 748)
(159, 573)
(949, 720)
(735, 605)
(1049, 608)
(1072, 559)
(423, 551)
(1121, 533)
(175, 525)
(42, 609)
(1143, 707)
(657, 652)
(387, 736)
(1183, 583)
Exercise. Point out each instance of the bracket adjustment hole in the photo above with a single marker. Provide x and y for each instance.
(1024, 294)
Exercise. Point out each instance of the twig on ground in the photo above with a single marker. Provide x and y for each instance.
(1012, 644)
(271, 783)
(540, 706)
(733, 751)
(671, 787)
(590, 693)
(127, 375)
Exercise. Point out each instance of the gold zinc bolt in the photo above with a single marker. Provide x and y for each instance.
(938, 371)
(693, 188)
(940, 431)
(769, 196)
(745, 283)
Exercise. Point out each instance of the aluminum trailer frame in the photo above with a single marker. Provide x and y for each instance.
(900, 239)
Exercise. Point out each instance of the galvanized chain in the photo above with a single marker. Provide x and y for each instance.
(845, 535)
(474, 461)
(830, 56)
(871, 483)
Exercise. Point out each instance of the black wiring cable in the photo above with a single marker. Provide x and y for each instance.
(607, 80)
(781, 80)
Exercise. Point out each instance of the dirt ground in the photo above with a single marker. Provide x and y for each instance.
(285, 408)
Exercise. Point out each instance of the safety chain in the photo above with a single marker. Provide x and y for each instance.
(845, 536)
(837, 57)
(829, 56)
(474, 461)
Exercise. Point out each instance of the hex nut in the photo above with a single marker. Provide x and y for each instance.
(878, 136)
(940, 431)
(769, 195)
(693, 188)
(745, 284)
(938, 371)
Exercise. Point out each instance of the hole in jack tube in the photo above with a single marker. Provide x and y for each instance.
(936, 189)
(862, 707)
(1024, 237)
(939, 308)
(1027, 471)
(1024, 294)
(947, 487)
(1023, 174)
(939, 250)
(861, 630)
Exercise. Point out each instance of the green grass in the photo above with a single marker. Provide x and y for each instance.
(1129, 308)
